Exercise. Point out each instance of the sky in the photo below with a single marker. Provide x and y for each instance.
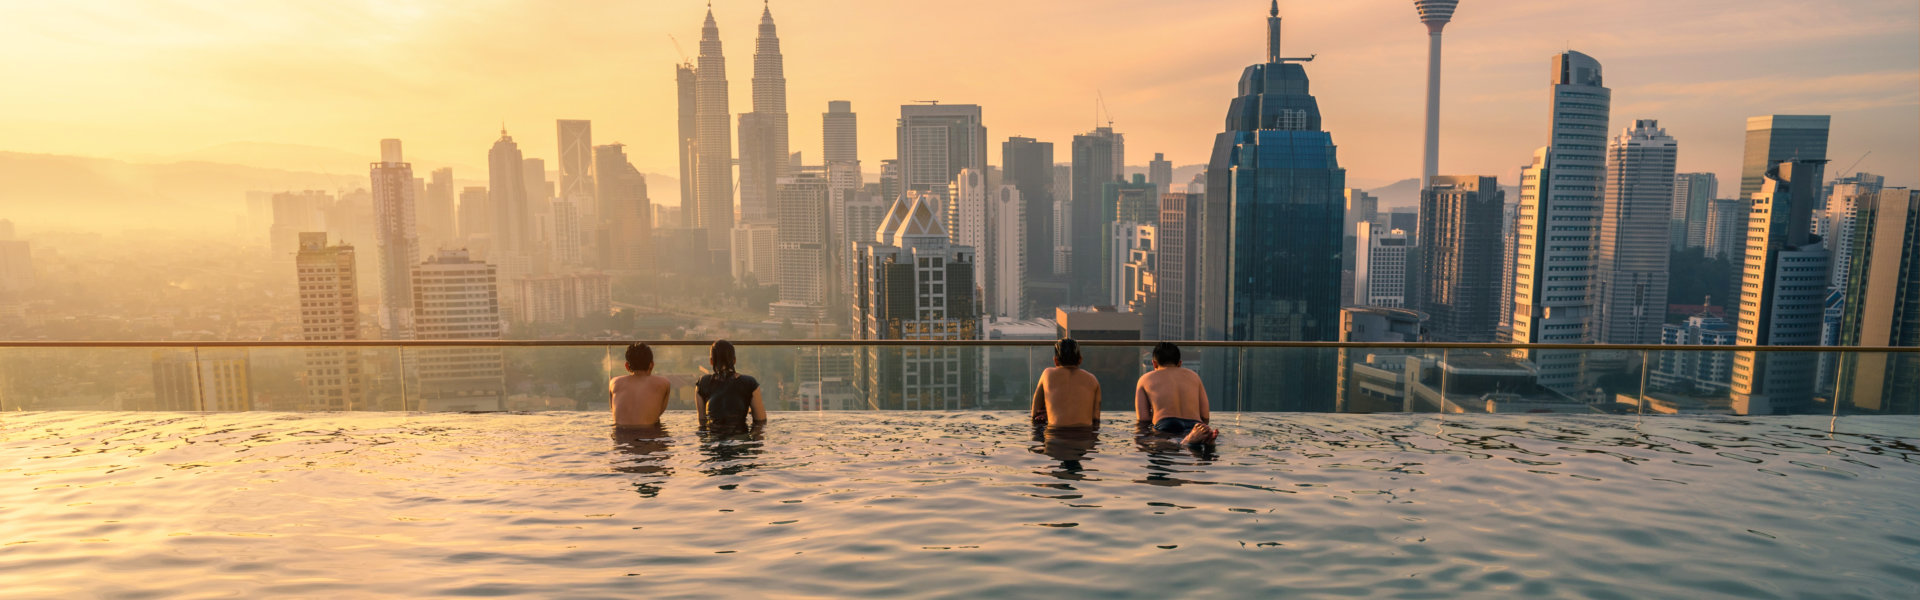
(151, 79)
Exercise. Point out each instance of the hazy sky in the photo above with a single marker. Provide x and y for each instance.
(152, 78)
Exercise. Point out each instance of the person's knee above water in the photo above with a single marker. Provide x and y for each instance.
(727, 398)
(638, 398)
(1067, 396)
(1171, 398)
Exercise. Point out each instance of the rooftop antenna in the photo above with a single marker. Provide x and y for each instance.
(931, 102)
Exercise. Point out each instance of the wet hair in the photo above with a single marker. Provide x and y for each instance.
(723, 360)
(639, 357)
(1067, 352)
(1166, 354)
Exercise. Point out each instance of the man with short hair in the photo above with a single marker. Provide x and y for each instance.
(1172, 400)
(639, 397)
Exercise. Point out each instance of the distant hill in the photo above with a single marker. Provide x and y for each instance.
(98, 194)
(1405, 193)
(288, 157)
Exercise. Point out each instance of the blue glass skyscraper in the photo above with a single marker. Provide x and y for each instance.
(1272, 239)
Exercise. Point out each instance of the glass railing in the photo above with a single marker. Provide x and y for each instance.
(996, 375)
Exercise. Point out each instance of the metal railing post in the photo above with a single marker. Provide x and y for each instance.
(402, 367)
(199, 387)
(1642, 409)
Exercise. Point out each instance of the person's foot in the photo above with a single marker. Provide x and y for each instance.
(1201, 434)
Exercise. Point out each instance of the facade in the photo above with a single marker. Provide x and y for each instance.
(1177, 266)
(1380, 271)
(755, 252)
(1770, 140)
(839, 129)
(1271, 238)
(1882, 307)
(936, 141)
(1027, 165)
(328, 288)
(561, 298)
(1124, 205)
(914, 284)
(1560, 208)
(1137, 279)
(1375, 379)
(435, 211)
(577, 178)
(1126, 240)
(1837, 223)
(1006, 256)
(763, 132)
(1635, 241)
(509, 231)
(1726, 219)
(801, 248)
(1695, 373)
(1093, 167)
(713, 202)
(1160, 174)
(214, 380)
(686, 87)
(393, 213)
(476, 217)
(457, 298)
(1783, 293)
(1458, 270)
(1693, 193)
(626, 215)
(1434, 14)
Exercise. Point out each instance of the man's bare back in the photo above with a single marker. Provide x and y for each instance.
(1174, 392)
(1067, 397)
(638, 399)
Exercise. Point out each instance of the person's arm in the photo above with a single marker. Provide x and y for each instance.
(700, 405)
(612, 396)
(1206, 409)
(1142, 407)
(1039, 412)
(1096, 402)
(759, 408)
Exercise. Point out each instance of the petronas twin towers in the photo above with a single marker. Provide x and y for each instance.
(763, 136)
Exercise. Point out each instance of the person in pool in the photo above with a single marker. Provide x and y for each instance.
(727, 398)
(1067, 397)
(639, 397)
(1171, 399)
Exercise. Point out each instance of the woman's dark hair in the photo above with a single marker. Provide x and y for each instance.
(723, 360)
(1067, 352)
(639, 357)
(1166, 354)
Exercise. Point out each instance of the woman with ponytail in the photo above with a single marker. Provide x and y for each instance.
(726, 398)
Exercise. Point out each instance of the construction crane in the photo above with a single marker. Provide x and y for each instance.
(1100, 106)
(677, 50)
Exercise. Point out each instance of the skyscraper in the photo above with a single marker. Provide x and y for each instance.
(839, 132)
(713, 207)
(803, 273)
(507, 193)
(1635, 246)
(1027, 165)
(1693, 193)
(1783, 291)
(1177, 265)
(1123, 205)
(576, 159)
(457, 298)
(476, 215)
(393, 215)
(915, 284)
(1093, 167)
(1726, 218)
(626, 213)
(1380, 270)
(1559, 222)
(436, 210)
(1005, 260)
(1434, 14)
(1882, 291)
(1160, 174)
(1459, 265)
(329, 310)
(936, 141)
(1770, 140)
(763, 132)
(687, 88)
(1271, 238)
(967, 225)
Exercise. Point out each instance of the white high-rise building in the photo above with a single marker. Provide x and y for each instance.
(803, 273)
(329, 293)
(1005, 259)
(566, 237)
(1380, 269)
(1560, 208)
(1837, 227)
(457, 298)
(1635, 245)
(915, 284)
(967, 221)
(393, 214)
(755, 247)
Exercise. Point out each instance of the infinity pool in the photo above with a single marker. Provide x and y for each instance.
(955, 505)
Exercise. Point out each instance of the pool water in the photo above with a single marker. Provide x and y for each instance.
(964, 505)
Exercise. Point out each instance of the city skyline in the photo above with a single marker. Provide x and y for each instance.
(1850, 60)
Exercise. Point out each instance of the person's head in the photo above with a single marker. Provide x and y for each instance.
(723, 358)
(639, 358)
(1066, 353)
(1165, 354)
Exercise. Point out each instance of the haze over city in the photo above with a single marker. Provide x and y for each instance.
(314, 86)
